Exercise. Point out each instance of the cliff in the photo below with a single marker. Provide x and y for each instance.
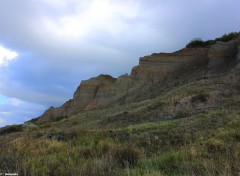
(156, 66)
(94, 93)
(155, 71)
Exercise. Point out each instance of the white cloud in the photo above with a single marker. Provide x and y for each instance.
(15, 101)
(18, 111)
(96, 15)
(6, 56)
(5, 113)
(54, 2)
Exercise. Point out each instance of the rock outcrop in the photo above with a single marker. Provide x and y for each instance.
(156, 66)
(222, 54)
(104, 90)
(238, 53)
(96, 92)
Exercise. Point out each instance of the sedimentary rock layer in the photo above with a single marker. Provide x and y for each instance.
(104, 90)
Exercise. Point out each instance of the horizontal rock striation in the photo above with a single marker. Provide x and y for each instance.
(222, 54)
(156, 66)
(96, 92)
(152, 71)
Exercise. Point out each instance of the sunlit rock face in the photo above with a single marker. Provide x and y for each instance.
(152, 72)
(156, 66)
(96, 92)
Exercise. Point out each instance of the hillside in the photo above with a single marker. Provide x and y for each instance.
(175, 114)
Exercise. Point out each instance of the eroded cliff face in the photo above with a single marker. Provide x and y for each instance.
(104, 90)
(223, 54)
(157, 66)
(96, 92)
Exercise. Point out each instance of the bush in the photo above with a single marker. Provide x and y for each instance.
(11, 129)
(171, 162)
(200, 98)
(195, 43)
(59, 136)
(215, 146)
(98, 167)
(210, 42)
(127, 155)
(198, 43)
(228, 37)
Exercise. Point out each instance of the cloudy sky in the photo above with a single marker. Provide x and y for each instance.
(48, 46)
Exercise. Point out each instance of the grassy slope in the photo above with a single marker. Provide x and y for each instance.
(190, 129)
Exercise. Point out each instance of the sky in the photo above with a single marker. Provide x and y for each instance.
(48, 46)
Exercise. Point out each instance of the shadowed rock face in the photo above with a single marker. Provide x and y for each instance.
(222, 54)
(238, 54)
(104, 90)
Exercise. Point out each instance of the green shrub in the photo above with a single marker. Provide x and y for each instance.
(171, 162)
(215, 146)
(99, 167)
(60, 118)
(228, 37)
(86, 152)
(210, 42)
(196, 43)
(104, 146)
(127, 155)
(59, 136)
(11, 129)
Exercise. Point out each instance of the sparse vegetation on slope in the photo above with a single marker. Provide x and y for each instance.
(189, 128)
(202, 144)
